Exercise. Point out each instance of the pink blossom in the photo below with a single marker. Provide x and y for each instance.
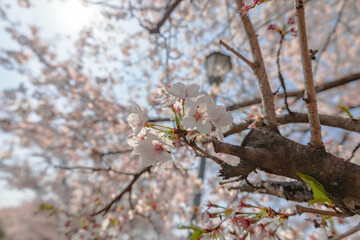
(137, 120)
(154, 150)
(196, 116)
(221, 119)
(181, 91)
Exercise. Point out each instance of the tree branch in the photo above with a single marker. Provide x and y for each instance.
(293, 191)
(301, 209)
(327, 42)
(327, 120)
(267, 97)
(109, 169)
(269, 152)
(281, 78)
(201, 153)
(347, 233)
(164, 18)
(310, 95)
(126, 189)
(299, 93)
(251, 64)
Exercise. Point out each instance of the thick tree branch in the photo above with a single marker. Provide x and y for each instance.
(278, 155)
(299, 93)
(294, 191)
(128, 188)
(267, 97)
(310, 95)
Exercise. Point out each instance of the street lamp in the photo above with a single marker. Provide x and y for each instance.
(217, 66)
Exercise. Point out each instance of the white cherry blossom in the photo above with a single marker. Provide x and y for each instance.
(136, 120)
(154, 150)
(221, 119)
(196, 116)
(181, 91)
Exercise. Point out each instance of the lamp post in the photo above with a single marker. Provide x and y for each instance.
(217, 66)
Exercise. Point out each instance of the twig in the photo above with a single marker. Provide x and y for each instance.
(267, 97)
(293, 191)
(298, 93)
(347, 233)
(231, 181)
(164, 18)
(251, 64)
(109, 169)
(301, 209)
(119, 196)
(327, 120)
(281, 78)
(202, 153)
(310, 95)
(353, 152)
(327, 42)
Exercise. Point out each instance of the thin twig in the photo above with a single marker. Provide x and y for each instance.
(327, 120)
(301, 209)
(281, 78)
(267, 97)
(128, 188)
(164, 18)
(251, 64)
(231, 181)
(353, 152)
(298, 93)
(328, 39)
(109, 169)
(310, 95)
(347, 233)
(202, 153)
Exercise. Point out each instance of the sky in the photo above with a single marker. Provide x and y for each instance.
(54, 17)
(62, 18)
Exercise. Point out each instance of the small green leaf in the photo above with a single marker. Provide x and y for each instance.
(317, 188)
(198, 231)
(84, 222)
(44, 207)
(192, 227)
(196, 235)
(346, 111)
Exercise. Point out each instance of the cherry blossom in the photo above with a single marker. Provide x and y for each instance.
(154, 149)
(181, 91)
(196, 116)
(136, 120)
(221, 119)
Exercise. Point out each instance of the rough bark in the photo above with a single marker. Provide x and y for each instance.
(269, 151)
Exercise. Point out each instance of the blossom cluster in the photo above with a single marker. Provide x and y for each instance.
(285, 29)
(256, 222)
(190, 112)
